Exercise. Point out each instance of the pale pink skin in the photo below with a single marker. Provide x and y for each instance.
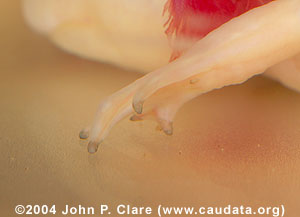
(263, 40)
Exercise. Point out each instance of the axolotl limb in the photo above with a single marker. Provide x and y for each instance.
(264, 39)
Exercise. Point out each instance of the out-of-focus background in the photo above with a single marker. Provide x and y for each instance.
(238, 145)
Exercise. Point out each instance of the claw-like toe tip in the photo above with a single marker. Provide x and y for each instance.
(93, 147)
(135, 118)
(168, 132)
(167, 127)
(138, 106)
(84, 134)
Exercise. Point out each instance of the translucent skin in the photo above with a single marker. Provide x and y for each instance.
(243, 47)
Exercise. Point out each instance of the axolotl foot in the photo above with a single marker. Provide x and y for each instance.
(237, 50)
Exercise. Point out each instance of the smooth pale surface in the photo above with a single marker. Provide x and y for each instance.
(129, 33)
(238, 145)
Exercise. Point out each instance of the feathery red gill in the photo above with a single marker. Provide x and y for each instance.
(194, 19)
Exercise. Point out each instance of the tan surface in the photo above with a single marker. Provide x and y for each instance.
(237, 145)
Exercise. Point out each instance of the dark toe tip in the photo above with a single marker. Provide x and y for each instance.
(93, 147)
(84, 134)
